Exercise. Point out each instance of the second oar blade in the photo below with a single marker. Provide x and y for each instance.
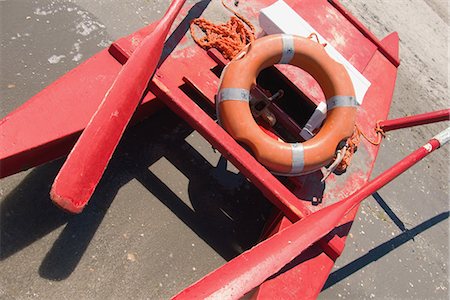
(87, 161)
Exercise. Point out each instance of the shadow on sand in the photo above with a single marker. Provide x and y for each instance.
(229, 219)
(382, 250)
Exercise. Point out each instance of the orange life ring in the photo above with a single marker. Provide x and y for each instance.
(239, 76)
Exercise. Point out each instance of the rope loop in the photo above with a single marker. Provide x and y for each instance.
(314, 35)
(353, 143)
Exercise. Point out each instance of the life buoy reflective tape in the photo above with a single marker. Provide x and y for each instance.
(235, 116)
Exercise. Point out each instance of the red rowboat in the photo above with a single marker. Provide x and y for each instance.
(186, 82)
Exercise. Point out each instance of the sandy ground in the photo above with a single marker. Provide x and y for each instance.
(398, 247)
(404, 253)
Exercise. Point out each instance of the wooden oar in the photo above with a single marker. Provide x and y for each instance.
(87, 161)
(247, 271)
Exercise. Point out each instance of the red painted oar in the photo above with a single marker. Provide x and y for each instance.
(247, 271)
(87, 161)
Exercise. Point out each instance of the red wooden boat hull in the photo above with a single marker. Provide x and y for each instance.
(76, 95)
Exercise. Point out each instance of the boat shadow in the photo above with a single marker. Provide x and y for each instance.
(382, 250)
(227, 212)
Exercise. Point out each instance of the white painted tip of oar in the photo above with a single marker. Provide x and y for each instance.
(443, 137)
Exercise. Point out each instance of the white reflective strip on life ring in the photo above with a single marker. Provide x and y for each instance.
(341, 101)
(233, 94)
(288, 49)
(298, 158)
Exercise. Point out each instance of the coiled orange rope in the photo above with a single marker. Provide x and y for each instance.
(228, 38)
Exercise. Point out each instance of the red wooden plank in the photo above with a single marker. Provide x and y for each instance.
(273, 189)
